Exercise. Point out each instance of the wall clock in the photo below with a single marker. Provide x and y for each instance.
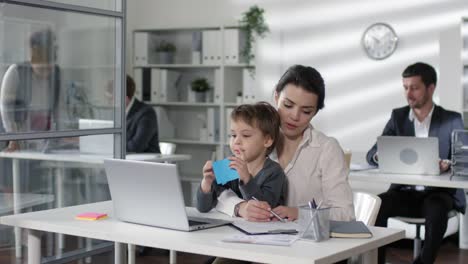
(379, 41)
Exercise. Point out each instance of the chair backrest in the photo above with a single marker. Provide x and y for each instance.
(167, 148)
(366, 207)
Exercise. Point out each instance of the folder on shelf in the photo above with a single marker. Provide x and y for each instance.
(217, 86)
(234, 42)
(349, 229)
(248, 89)
(228, 121)
(164, 85)
(216, 40)
(138, 77)
(211, 47)
(141, 49)
(146, 85)
(166, 128)
(210, 124)
(155, 86)
(206, 48)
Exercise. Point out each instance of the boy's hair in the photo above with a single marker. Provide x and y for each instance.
(261, 115)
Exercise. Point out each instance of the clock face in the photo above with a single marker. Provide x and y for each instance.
(379, 41)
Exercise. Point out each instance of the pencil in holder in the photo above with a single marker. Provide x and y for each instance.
(314, 224)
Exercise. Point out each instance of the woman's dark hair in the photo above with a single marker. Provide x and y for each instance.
(261, 115)
(306, 77)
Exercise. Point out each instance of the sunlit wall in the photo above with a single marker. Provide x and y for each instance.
(326, 35)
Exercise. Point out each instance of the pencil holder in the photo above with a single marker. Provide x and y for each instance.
(314, 224)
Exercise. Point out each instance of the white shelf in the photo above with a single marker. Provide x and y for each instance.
(240, 65)
(186, 104)
(178, 66)
(227, 77)
(188, 141)
(231, 104)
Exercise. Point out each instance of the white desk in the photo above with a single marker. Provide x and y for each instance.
(207, 242)
(426, 180)
(73, 156)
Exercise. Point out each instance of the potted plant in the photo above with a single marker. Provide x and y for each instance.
(253, 23)
(165, 52)
(200, 86)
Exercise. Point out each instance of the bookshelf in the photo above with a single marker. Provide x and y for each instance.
(199, 128)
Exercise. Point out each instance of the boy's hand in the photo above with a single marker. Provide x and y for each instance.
(241, 167)
(208, 177)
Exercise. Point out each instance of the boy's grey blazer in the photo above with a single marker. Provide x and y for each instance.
(142, 129)
(443, 122)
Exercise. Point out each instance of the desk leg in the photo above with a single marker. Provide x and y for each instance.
(172, 257)
(119, 253)
(16, 204)
(369, 257)
(89, 244)
(60, 173)
(131, 254)
(34, 247)
(463, 232)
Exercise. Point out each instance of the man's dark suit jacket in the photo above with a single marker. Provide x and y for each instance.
(142, 129)
(443, 122)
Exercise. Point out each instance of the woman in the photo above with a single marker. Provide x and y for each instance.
(314, 164)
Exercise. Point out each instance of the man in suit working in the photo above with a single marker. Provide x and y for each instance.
(142, 123)
(421, 118)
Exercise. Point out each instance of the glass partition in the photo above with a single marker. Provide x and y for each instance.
(61, 109)
(58, 68)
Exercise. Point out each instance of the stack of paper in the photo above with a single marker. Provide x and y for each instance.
(276, 240)
(90, 216)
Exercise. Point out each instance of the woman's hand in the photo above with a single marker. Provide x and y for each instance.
(208, 177)
(291, 213)
(255, 211)
(241, 167)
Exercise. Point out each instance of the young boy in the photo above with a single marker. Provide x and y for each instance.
(254, 133)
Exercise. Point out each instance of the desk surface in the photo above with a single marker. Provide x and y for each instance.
(75, 156)
(207, 242)
(427, 180)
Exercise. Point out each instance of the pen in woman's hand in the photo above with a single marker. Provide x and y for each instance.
(271, 211)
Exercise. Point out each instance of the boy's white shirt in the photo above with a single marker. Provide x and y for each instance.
(227, 200)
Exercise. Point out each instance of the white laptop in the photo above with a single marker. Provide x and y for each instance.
(96, 144)
(150, 193)
(408, 155)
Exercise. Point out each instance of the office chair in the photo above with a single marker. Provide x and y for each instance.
(366, 208)
(415, 229)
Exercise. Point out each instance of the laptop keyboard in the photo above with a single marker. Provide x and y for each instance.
(194, 223)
